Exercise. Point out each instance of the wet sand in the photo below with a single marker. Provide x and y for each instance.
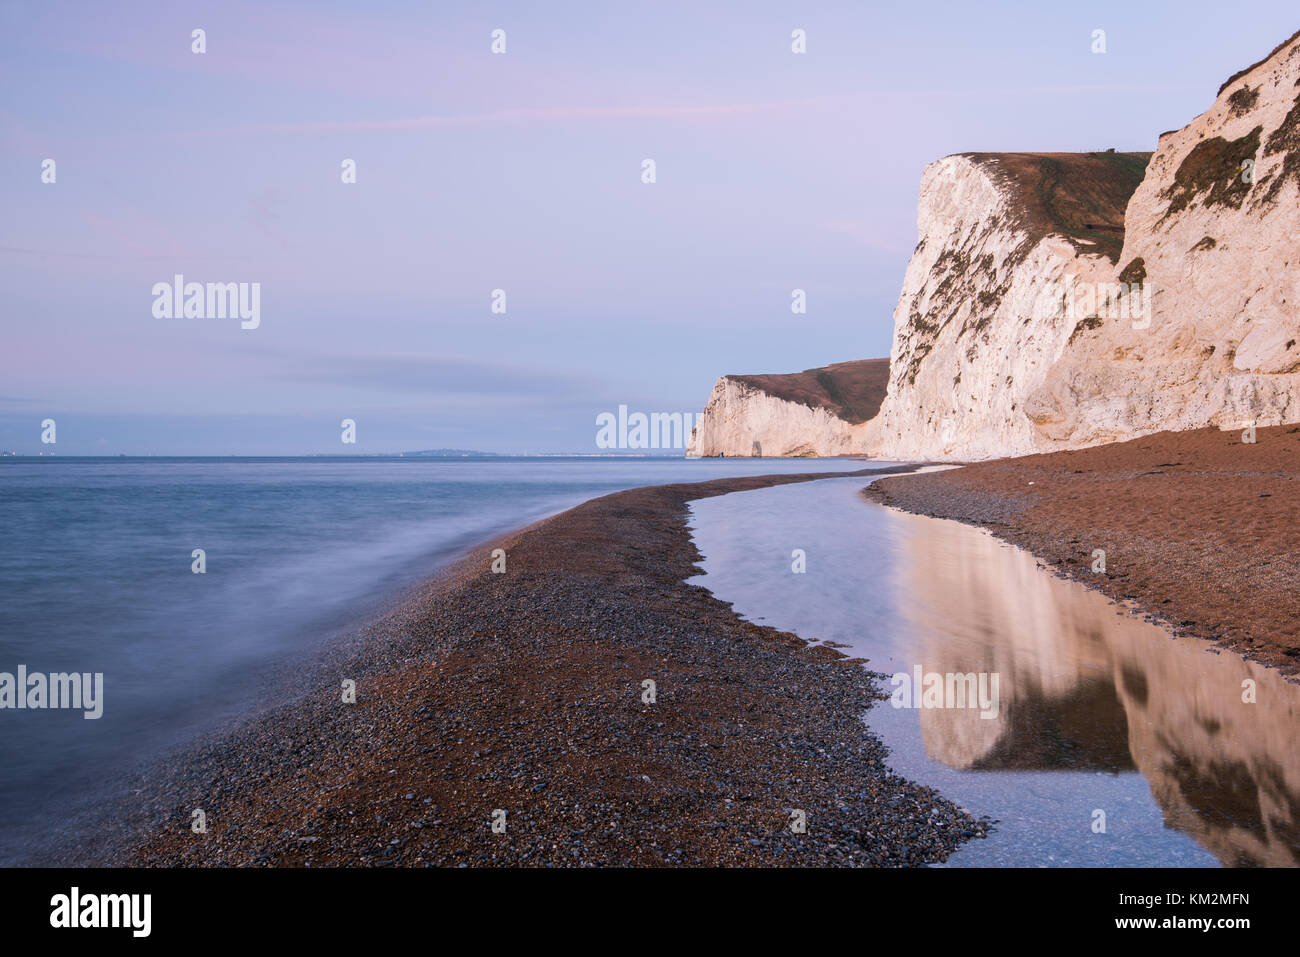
(523, 692)
(1199, 529)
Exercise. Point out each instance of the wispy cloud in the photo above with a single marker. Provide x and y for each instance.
(514, 117)
(439, 375)
(108, 257)
(860, 102)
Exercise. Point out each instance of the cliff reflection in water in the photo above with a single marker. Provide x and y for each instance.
(1085, 686)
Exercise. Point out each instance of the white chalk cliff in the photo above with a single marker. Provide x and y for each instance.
(995, 354)
(980, 322)
(1214, 233)
(818, 412)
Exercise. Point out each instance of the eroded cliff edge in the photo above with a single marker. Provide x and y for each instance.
(1213, 233)
(979, 322)
(818, 412)
(1059, 301)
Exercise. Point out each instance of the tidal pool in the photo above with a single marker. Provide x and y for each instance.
(1113, 744)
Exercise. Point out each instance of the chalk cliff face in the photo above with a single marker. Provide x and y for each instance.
(1065, 300)
(1214, 234)
(980, 319)
(817, 412)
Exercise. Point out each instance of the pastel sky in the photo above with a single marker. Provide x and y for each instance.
(519, 171)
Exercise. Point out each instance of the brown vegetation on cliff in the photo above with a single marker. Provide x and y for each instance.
(1081, 196)
(852, 391)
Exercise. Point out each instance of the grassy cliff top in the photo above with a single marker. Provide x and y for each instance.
(1081, 196)
(852, 391)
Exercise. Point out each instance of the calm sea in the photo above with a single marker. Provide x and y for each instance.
(95, 576)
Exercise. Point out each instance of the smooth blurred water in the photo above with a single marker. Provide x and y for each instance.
(1100, 711)
(95, 576)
